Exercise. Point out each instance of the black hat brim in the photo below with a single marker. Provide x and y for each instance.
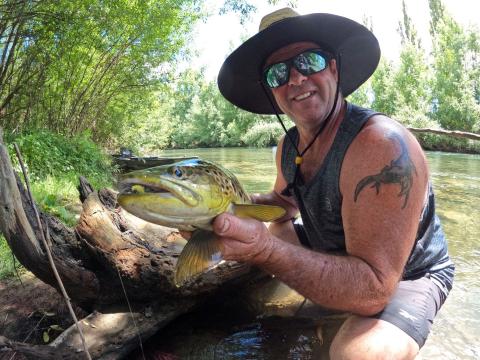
(239, 79)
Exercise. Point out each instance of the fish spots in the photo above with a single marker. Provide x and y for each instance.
(202, 172)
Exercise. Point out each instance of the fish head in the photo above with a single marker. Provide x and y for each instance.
(185, 195)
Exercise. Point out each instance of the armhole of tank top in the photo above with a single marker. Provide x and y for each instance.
(368, 117)
(283, 160)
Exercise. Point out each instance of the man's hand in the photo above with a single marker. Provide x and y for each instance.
(244, 240)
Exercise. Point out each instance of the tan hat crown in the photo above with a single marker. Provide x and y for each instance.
(276, 16)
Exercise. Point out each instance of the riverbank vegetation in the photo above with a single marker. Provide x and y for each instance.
(112, 68)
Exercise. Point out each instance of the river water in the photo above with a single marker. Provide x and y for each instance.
(210, 334)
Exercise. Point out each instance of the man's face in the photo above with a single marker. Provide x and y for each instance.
(307, 100)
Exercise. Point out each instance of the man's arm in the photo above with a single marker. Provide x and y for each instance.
(380, 220)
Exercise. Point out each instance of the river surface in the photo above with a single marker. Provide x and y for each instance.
(212, 333)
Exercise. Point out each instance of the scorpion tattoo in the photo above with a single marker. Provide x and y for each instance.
(398, 172)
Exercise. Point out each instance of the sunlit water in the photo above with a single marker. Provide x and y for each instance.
(216, 333)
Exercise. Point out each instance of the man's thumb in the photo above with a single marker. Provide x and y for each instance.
(222, 225)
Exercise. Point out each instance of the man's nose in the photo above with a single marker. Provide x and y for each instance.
(296, 77)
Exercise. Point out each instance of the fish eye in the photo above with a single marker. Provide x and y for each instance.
(178, 172)
(138, 189)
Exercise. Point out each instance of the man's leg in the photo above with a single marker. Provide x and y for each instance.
(398, 332)
(368, 338)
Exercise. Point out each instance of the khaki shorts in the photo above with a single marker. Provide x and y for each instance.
(413, 307)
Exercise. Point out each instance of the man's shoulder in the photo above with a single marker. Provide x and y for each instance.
(381, 141)
(380, 129)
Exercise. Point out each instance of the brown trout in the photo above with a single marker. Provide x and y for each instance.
(188, 195)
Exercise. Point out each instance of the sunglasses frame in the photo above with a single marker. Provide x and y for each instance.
(290, 62)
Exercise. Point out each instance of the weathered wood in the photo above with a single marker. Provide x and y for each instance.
(84, 188)
(113, 334)
(34, 352)
(453, 133)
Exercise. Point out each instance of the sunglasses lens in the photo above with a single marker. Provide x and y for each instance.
(277, 75)
(309, 63)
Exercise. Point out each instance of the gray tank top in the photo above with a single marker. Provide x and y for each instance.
(321, 204)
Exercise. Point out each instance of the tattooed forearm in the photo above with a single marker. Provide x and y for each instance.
(398, 172)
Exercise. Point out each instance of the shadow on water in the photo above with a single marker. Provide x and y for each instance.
(226, 330)
(238, 325)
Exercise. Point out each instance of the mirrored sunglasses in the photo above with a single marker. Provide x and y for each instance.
(306, 63)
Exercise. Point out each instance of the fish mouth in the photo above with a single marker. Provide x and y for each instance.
(127, 187)
(167, 188)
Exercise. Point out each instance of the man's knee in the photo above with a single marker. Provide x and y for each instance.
(368, 338)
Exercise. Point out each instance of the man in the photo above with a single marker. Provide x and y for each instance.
(370, 243)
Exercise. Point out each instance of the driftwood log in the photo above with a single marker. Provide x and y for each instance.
(109, 260)
(452, 133)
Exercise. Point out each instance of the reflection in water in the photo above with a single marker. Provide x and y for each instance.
(456, 331)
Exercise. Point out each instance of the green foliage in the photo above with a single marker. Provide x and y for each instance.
(263, 134)
(190, 113)
(417, 119)
(406, 29)
(453, 88)
(47, 334)
(437, 12)
(243, 7)
(410, 80)
(47, 154)
(81, 65)
(362, 96)
(54, 163)
(58, 195)
(445, 143)
(6, 259)
(444, 95)
(383, 88)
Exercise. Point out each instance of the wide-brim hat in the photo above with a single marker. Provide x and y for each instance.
(239, 79)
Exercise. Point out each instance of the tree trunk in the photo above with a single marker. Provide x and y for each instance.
(108, 258)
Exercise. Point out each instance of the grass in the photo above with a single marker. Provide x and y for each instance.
(59, 196)
(6, 260)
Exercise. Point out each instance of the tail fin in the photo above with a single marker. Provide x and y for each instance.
(202, 252)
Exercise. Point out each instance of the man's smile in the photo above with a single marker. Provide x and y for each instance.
(303, 96)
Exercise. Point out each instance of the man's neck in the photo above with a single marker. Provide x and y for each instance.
(330, 128)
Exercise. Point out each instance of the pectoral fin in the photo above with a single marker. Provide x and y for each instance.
(259, 211)
(202, 252)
